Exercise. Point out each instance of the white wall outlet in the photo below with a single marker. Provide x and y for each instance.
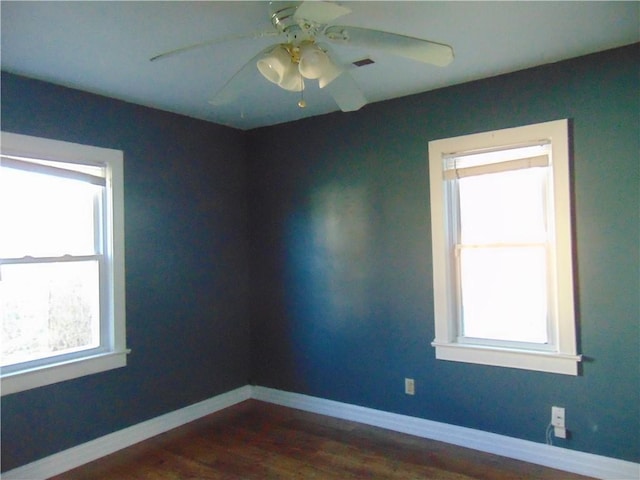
(409, 386)
(557, 417)
(558, 422)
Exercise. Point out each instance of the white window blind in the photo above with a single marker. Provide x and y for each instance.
(495, 161)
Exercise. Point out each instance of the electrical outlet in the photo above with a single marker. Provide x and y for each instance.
(409, 386)
(558, 422)
(557, 417)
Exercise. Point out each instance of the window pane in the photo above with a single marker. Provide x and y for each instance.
(504, 207)
(41, 215)
(48, 308)
(504, 293)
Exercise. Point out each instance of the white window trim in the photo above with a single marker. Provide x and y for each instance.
(564, 359)
(116, 351)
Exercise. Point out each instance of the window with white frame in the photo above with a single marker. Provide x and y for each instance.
(502, 248)
(62, 300)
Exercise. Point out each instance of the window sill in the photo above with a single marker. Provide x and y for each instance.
(59, 372)
(552, 362)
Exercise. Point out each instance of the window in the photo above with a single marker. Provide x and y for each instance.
(502, 260)
(61, 261)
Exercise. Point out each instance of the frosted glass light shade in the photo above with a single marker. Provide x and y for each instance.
(313, 61)
(274, 65)
(292, 80)
(278, 67)
(331, 72)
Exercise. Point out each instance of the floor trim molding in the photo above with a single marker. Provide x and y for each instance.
(87, 452)
(546, 455)
(549, 456)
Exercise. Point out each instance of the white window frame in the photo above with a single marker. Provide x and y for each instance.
(112, 352)
(562, 357)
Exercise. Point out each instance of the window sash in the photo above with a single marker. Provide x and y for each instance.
(99, 247)
(104, 342)
(453, 206)
(98, 244)
(549, 342)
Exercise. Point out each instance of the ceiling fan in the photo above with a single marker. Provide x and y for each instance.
(304, 52)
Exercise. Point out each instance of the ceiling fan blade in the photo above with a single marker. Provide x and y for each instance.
(320, 12)
(346, 93)
(409, 47)
(228, 38)
(236, 84)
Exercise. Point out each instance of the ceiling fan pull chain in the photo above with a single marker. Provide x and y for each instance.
(302, 102)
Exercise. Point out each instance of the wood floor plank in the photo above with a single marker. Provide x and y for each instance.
(255, 440)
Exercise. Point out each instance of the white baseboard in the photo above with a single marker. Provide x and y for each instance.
(549, 456)
(100, 447)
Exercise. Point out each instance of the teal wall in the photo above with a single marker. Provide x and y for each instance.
(186, 268)
(298, 257)
(342, 303)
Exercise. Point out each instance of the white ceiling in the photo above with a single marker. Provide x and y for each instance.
(104, 47)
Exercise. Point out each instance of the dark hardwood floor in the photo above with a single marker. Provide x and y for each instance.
(255, 440)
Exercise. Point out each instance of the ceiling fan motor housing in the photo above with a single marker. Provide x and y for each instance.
(296, 29)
